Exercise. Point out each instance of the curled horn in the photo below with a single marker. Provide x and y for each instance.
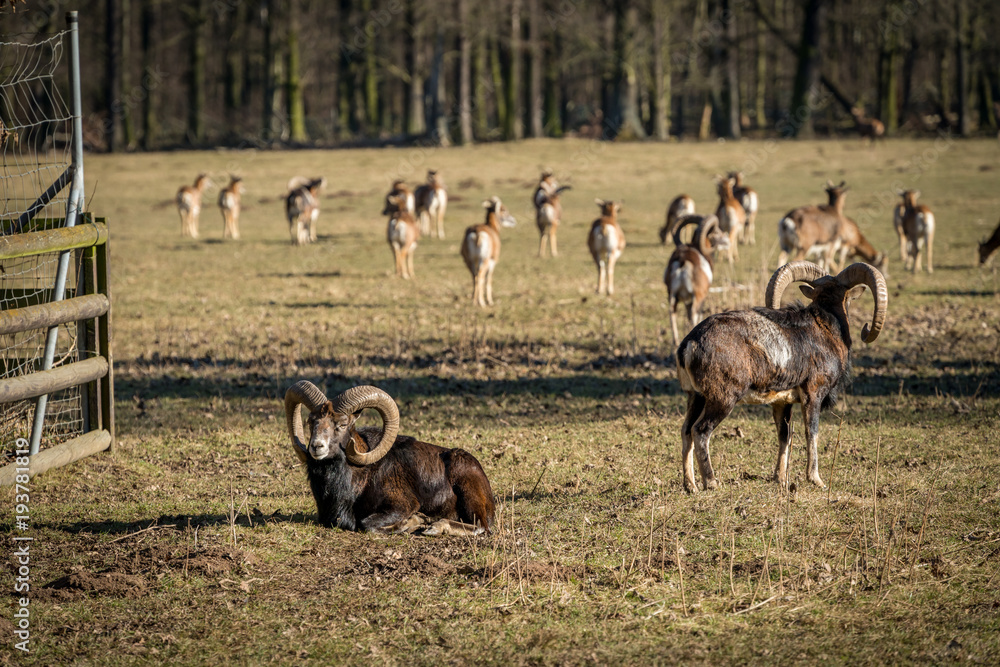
(356, 399)
(701, 234)
(785, 276)
(682, 222)
(302, 392)
(861, 273)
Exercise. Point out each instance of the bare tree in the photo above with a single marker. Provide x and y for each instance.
(464, 75)
(535, 82)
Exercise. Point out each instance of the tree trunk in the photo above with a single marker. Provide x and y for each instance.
(235, 49)
(760, 94)
(553, 105)
(807, 72)
(349, 52)
(482, 84)
(293, 81)
(499, 94)
(126, 74)
(513, 123)
(197, 22)
(415, 121)
(438, 115)
(371, 72)
(624, 121)
(661, 71)
(464, 75)
(888, 80)
(535, 98)
(962, 58)
(113, 65)
(731, 91)
(150, 77)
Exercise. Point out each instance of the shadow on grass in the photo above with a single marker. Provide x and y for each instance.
(177, 522)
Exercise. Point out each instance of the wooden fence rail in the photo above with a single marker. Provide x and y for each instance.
(91, 309)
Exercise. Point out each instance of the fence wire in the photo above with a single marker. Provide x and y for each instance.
(35, 150)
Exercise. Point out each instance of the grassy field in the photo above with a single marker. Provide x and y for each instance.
(196, 543)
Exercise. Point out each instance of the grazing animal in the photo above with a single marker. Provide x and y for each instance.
(431, 201)
(854, 244)
(302, 208)
(189, 205)
(481, 249)
(732, 217)
(548, 211)
(868, 128)
(915, 224)
(813, 229)
(229, 204)
(402, 233)
(370, 479)
(688, 276)
(681, 206)
(399, 189)
(606, 242)
(774, 356)
(989, 246)
(747, 197)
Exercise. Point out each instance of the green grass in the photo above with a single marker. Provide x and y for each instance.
(568, 399)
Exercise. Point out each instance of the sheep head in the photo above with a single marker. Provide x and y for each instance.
(834, 293)
(495, 207)
(609, 209)
(331, 423)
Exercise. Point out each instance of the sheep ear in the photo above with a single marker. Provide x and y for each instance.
(809, 291)
(487, 203)
(599, 202)
(854, 293)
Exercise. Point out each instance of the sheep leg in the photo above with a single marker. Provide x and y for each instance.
(611, 274)
(696, 404)
(475, 287)
(409, 262)
(751, 231)
(673, 321)
(473, 495)
(782, 413)
(810, 414)
(489, 283)
(541, 243)
(929, 245)
(552, 241)
(394, 512)
(711, 416)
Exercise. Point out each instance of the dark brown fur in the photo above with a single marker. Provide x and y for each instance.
(413, 476)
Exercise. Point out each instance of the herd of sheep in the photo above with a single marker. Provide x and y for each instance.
(374, 479)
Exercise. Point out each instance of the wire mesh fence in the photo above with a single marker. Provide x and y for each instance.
(36, 156)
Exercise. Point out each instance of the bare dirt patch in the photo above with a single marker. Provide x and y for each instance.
(87, 584)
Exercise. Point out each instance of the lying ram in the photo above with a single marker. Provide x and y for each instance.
(371, 480)
(774, 356)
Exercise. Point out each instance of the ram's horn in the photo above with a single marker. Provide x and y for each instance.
(701, 235)
(357, 399)
(682, 222)
(861, 273)
(785, 276)
(302, 392)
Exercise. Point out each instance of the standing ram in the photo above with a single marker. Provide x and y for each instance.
(548, 211)
(774, 356)
(370, 479)
(688, 276)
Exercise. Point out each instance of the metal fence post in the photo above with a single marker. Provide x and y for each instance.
(73, 208)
